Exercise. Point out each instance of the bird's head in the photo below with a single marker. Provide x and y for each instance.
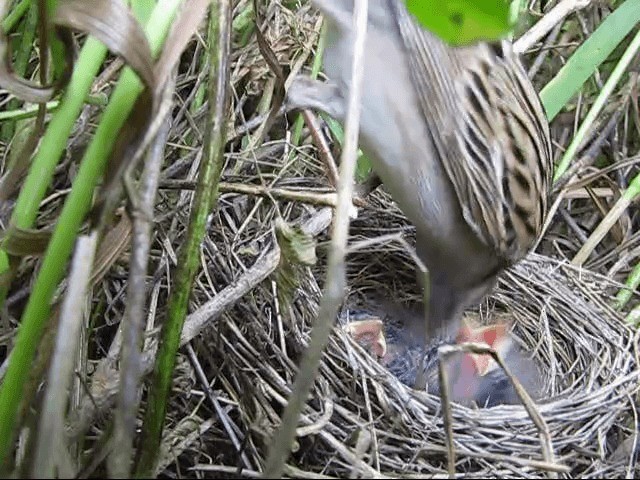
(495, 336)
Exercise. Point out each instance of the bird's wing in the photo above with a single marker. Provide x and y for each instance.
(489, 130)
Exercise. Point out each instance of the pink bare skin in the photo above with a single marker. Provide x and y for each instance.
(473, 378)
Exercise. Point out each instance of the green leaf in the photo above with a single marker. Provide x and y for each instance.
(588, 57)
(363, 165)
(461, 22)
(363, 168)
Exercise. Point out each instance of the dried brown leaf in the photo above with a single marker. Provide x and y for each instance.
(130, 138)
(114, 243)
(22, 242)
(113, 23)
(182, 30)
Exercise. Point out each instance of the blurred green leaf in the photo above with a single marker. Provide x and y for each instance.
(461, 22)
(244, 20)
(363, 168)
(588, 57)
(363, 165)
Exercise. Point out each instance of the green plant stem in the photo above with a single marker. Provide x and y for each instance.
(586, 59)
(20, 65)
(32, 110)
(14, 16)
(37, 310)
(53, 143)
(76, 206)
(204, 200)
(633, 280)
(632, 283)
(597, 106)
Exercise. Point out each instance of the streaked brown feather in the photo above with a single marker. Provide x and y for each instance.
(490, 133)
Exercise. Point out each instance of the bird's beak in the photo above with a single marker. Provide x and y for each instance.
(369, 332)
(495, 336)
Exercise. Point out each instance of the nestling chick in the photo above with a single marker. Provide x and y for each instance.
(458, 137)
(473, 379)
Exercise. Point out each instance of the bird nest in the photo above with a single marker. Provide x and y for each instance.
(360, 420)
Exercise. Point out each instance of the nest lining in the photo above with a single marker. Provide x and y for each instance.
(362, 419)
